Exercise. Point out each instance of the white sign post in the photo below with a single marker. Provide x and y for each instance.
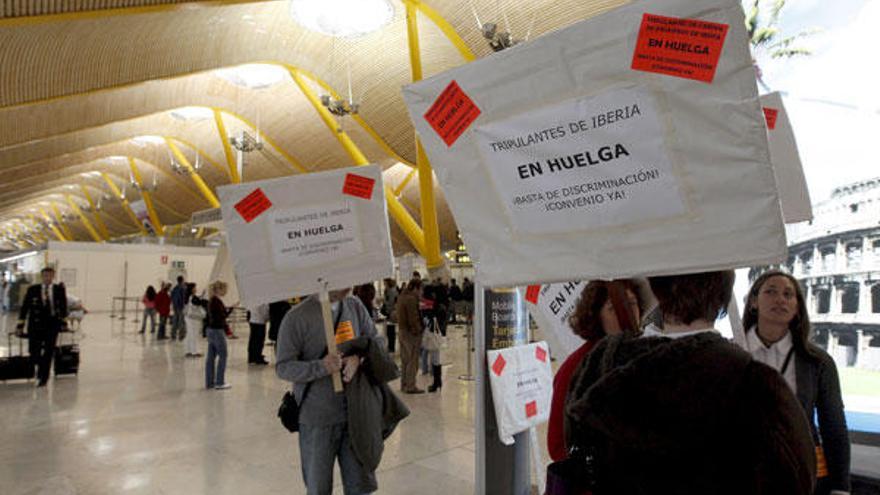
(308, 234)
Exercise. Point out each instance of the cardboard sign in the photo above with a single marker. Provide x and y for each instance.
(560, 178)
(688, 48)
(452, 113)
(583, 163)
(794, 196)
(553, 306)
(522, 385)
(311, 233)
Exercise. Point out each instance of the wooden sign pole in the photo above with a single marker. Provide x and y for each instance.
(330, 333)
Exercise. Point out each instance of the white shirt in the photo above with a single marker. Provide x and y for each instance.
(773, 355)
(48, 289)
(259, 314)
(653, 331)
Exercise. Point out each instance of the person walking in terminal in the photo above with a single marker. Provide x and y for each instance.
(409, 321)
(44, 309)
(259, 316)
(194, 318)
(593, 319)
(304, 359)
(685, 411)
(178, 301)
(149, 302)
(777, 327)
(163, 307)
(216, 333)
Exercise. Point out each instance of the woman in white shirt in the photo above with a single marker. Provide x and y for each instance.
(777, 334)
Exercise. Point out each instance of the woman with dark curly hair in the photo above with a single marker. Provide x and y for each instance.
(777, 329)
(593, 318)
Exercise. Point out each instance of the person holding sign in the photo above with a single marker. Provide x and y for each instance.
(777, 329)
(593, 319)
(304, 360)
(685, 411)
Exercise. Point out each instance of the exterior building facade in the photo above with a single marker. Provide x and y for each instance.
(836, 256)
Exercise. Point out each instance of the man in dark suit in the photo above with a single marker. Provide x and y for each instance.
(44, 309)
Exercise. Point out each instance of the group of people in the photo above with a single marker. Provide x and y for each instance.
(674, 407)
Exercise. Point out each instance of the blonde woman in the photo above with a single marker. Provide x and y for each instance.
(216, 332)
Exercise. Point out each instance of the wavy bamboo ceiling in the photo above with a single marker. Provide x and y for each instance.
(76, 88)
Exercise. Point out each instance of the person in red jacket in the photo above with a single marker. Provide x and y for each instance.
(593, 318)
(163, 307)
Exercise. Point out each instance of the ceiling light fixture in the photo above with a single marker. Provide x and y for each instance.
(192, 114)
(253, 76)
(342, 18)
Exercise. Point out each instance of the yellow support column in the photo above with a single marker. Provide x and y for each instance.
(402, 217)
(203, 188)
(426, 177)
(98, 220)
(91, 228)
(148, 198)
(59, 219)
(125, 205)
(52, 226)
(227, 148)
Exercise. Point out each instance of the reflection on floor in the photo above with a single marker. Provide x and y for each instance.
(137, 420)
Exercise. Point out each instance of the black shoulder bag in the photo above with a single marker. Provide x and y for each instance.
(288, 411)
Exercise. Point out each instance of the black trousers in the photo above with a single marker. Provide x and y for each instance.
(391, 334)
(41, 345)
(256, 340)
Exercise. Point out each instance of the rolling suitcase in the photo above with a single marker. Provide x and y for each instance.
(16, 367)
(66, 355)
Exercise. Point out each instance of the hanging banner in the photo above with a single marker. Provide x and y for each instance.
(793, 193)
(139, 208)
(629, 144)
(522, 385)
(291, 236)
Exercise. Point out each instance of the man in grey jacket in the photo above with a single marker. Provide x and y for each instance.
(303, 358)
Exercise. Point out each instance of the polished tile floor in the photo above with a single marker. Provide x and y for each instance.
(137, 420)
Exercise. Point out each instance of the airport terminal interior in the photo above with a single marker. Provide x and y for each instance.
(525, 181)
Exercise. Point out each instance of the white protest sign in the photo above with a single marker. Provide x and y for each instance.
(522, 385)
(291, 236)
(582, 163)
(793, 193)
(629, 144)
(551, 307)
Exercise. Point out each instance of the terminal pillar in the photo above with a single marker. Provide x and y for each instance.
(501, 320)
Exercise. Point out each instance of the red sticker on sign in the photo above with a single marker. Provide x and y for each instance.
(770, 115)
(688, 48)
(452, 113)
(532, 293)
(253, 205)
(358, 185)
(498, 365)
(541, 354)
(531, 409)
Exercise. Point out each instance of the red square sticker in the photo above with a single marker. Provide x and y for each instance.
(452, 113)
(541, 354)
(498, 365)
(770, 115)
(358, 185)
(531, 409)
(253, 205)
(688, 48)
(532, 293)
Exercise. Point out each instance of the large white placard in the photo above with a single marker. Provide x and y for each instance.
(583, 163)
(522, 385)
(296, 235)
(554, 306)
(710, 201)
(793, 193)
